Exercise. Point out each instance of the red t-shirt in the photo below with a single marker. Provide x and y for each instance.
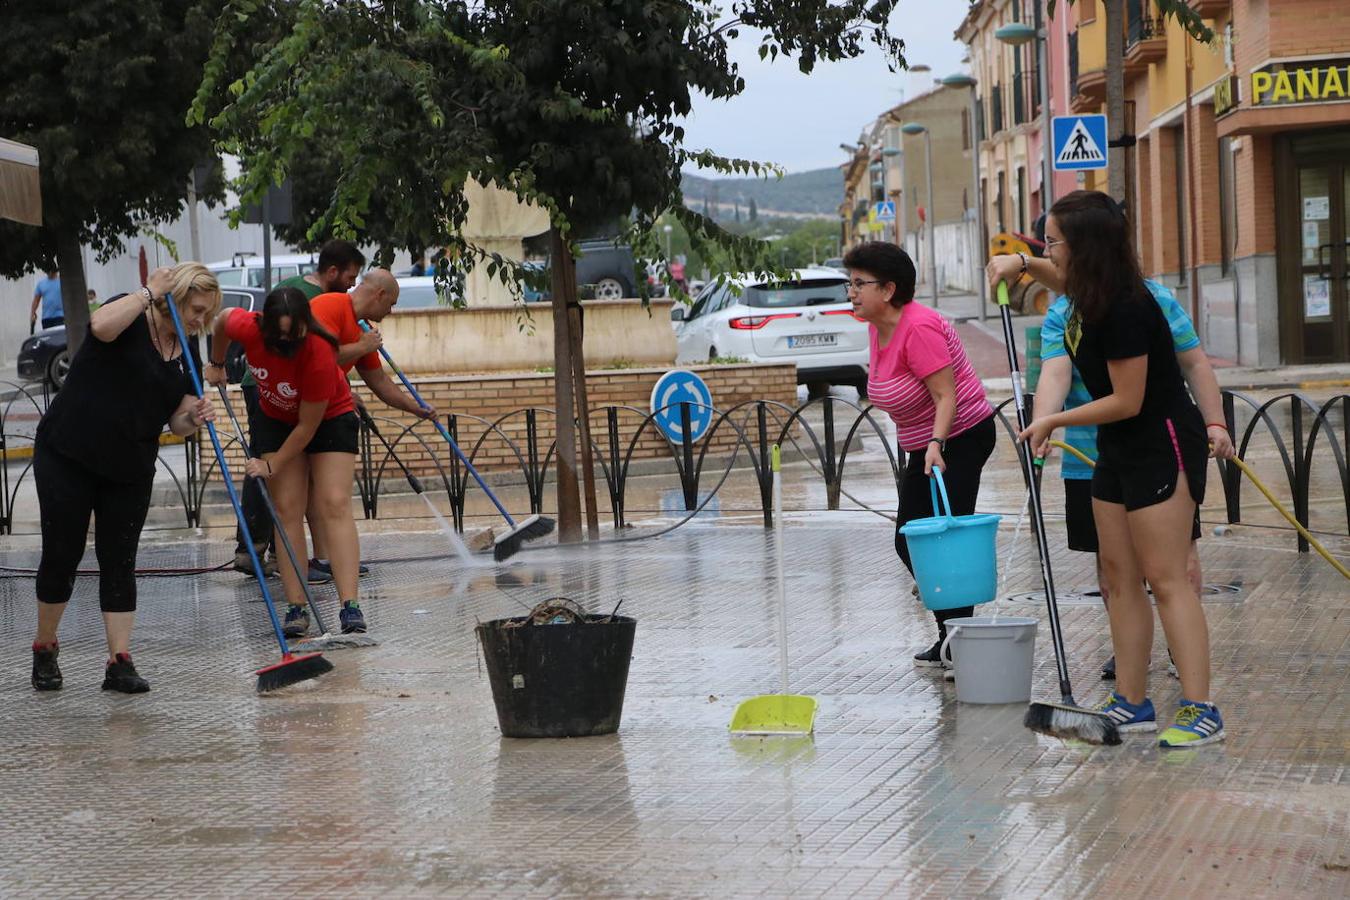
(284, 383)
(334, 312)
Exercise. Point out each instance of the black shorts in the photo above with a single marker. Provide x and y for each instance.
(336, 435)
(1079, 521)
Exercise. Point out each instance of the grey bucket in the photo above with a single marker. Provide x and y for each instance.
(992, 655)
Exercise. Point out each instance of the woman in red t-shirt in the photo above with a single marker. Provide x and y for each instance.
(306, 435)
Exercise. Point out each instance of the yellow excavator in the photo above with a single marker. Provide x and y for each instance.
(1026, 296)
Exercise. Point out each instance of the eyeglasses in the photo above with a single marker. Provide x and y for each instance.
(857, 284)
(1051, 243)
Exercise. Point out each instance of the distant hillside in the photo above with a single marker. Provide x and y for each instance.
(815, 193)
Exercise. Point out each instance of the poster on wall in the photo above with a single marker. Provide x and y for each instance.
(1312, 238)
(1316, 297)
(1316, 208)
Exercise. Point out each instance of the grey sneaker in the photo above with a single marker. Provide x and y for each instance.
(297, 622)
(244, 563)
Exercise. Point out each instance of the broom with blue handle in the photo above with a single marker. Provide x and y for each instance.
(527, 529)
(292, 668)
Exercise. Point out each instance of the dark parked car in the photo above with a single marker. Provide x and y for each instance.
(605, 271)
(44, 356)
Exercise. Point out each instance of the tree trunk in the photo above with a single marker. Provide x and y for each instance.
(74, 293)
(564, 283)
(1114, 12)
(574, 324)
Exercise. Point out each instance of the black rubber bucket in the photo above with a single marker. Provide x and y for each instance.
(558, 680)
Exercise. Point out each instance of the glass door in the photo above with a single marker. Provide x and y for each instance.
(1323, 313)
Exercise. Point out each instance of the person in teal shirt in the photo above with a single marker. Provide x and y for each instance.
(1061, 387)
(47, 300)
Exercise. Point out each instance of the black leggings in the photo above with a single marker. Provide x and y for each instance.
(67, 494)
(965, 456)
(255, 511)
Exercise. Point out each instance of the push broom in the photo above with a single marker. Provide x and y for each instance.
(527, 529)
(326, 639)
(1065, 719)
(292, 668)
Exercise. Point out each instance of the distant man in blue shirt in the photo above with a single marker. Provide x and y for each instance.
(1061, 387)
(47, 296)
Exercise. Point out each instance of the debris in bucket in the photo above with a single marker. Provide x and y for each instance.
(559, 611)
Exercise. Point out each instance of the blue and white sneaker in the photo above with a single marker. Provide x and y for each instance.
(1127, 716)
(325, 567)
(351, 619)
(1196, 724)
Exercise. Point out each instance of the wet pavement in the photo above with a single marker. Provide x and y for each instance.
(388, 776)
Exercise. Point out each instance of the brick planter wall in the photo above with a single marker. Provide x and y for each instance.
(491, 396)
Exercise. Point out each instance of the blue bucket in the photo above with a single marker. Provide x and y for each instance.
(954, 557)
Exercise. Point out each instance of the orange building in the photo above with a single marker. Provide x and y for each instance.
(1239, 184)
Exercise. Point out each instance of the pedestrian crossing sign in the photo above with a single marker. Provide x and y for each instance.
(1079, 142)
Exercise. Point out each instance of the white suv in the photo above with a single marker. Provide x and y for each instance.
(247, 268)
(807, 320)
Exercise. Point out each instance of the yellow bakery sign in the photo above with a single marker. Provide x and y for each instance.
(1306, 84)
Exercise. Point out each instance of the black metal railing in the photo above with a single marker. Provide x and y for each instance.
(1140, 25)
(821, 431)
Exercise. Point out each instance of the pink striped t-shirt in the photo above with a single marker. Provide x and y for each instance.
(923, 343)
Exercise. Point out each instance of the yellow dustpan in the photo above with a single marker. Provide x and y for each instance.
(781, 713)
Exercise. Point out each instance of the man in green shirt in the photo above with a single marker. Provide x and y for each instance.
(340, 264)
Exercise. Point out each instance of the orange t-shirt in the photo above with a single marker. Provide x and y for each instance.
(334, 312)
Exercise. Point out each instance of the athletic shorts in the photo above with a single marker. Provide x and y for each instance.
(1079, 521)
(336, 435)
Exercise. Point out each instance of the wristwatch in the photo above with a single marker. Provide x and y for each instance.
(941, 442)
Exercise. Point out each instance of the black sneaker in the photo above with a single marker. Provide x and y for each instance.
(352, 620)
(297, 622)
(930, 658)
(122, 676)
(46, 673)
(326, 567)
(1109, 670)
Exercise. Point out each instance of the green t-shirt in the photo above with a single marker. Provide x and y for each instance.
(309, 289)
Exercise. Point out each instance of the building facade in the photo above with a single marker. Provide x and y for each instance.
(888, 165)
(1239, 183)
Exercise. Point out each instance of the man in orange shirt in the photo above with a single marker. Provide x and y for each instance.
(338, 312)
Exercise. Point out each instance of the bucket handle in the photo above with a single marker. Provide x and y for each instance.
(935, 485)
(951, 633)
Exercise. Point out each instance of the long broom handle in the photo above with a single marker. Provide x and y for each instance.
(444, 433)
(280, 529)
(778, 570)
(1037, 518)
(229, 482)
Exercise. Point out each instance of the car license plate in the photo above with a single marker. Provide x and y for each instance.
(813, 340)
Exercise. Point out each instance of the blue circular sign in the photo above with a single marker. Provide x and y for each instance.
(672, 392)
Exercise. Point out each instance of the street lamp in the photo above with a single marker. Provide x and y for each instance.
(667, 229)
(1015, 34)
(961, 80)
(916, 128)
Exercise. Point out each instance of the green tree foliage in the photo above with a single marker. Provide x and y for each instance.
(381, 110)
(100, 90)
(754, 210)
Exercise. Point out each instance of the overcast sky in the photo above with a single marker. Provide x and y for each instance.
(798, 121)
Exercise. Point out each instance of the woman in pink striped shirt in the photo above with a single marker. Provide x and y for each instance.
(918, 373)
